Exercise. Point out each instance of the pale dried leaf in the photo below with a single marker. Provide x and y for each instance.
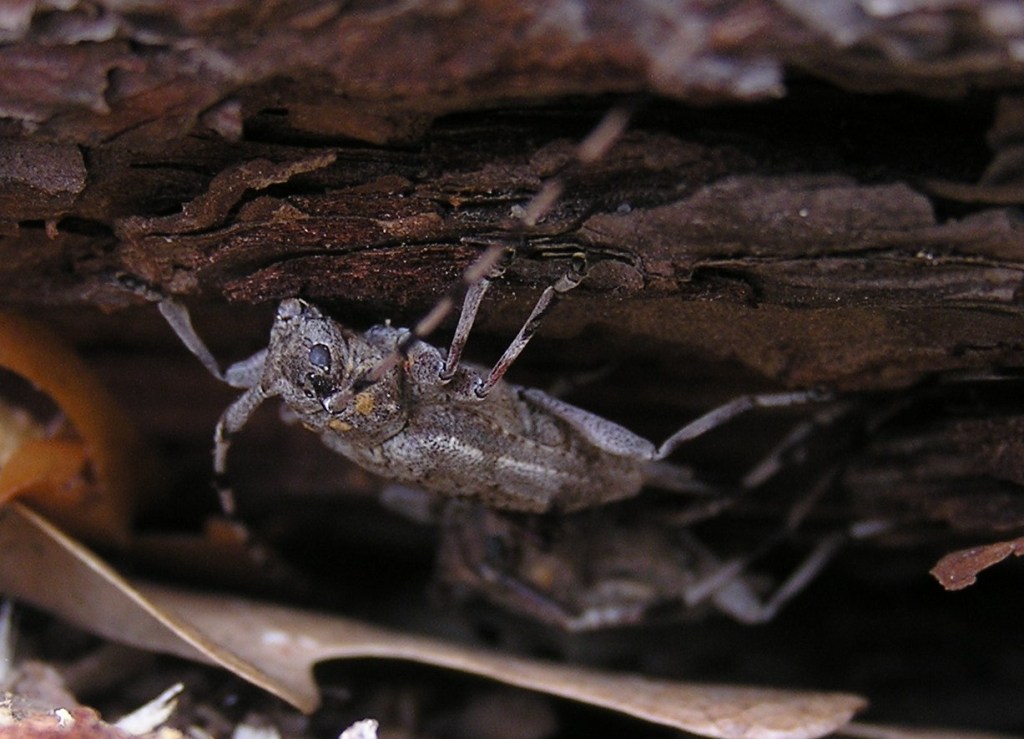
(276, 647)
(860, 730)
(249, 731)
(365, 729)
(149, 716)
(91, 594)
(64, 718)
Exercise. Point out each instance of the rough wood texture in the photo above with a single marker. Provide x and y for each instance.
(811, 193)
(362, 155)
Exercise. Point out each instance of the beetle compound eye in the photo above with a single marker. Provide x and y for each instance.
(320, 356)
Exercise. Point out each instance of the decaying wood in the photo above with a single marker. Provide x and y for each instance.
(809, 194)
(803, 244)
(828, 238)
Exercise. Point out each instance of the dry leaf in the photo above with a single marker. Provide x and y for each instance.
(276, 647)
(958, 570)
(33, 463)
(365, 729)
(860, 730)
(96, 501)
(152, 715)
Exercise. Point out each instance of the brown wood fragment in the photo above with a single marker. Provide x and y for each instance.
(38, 179)
(958, 570)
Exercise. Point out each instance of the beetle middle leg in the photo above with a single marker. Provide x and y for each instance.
(471, 305)
(731, 594)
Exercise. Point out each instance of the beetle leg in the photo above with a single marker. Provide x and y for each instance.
(733, 596)
(736, 407)
(230, 422)
(548, 299)
(246, 373)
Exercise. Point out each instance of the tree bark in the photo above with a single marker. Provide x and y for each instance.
(808, 194)
(790, 232)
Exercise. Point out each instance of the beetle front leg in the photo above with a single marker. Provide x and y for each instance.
(230, 422)
(246, 373)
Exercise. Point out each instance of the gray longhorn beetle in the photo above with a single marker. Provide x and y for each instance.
(417, 415)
